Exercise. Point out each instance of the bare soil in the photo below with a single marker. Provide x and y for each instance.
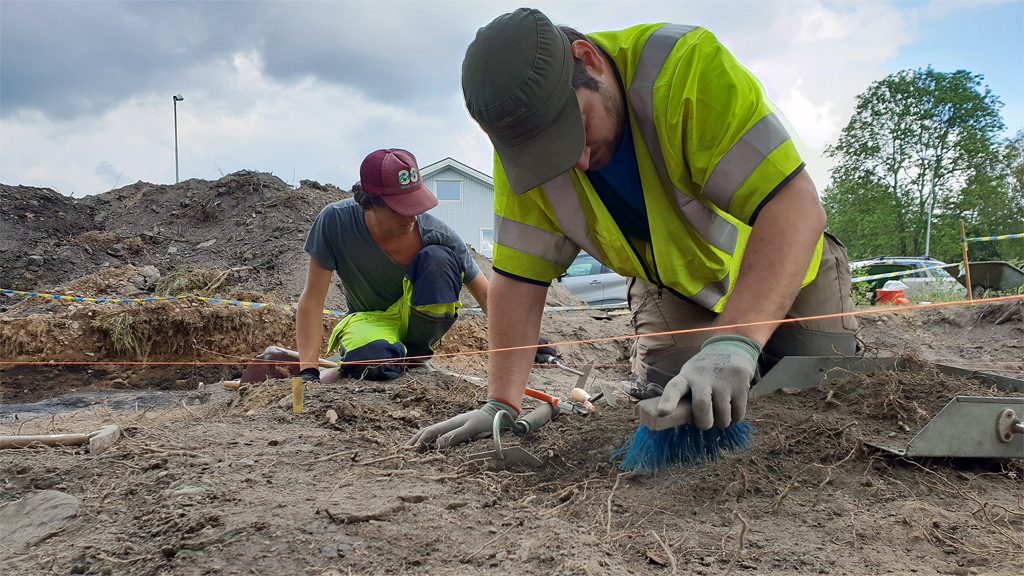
(208, 480)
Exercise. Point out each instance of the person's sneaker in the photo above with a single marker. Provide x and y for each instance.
(642, 390)
(421, 364)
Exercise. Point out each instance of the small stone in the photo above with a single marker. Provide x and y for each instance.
(657, 558)
(285, 402)
(35, 260)
(150, 273)
(35, 518)
(116, 250)
(189, 491)
(455, 505)
(207, 244)
(245, 462)
(790, 391)
(172, 249)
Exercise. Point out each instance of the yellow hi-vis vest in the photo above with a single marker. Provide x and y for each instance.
(711, 150)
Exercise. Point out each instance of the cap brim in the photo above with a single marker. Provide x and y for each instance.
(413, 203)
(549, 154)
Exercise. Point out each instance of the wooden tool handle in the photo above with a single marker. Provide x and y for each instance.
(45, 440)
(542, 396)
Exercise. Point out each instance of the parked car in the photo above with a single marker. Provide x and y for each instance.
(590, 281)
(928, 281)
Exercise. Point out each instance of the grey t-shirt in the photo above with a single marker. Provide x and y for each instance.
(340, 241)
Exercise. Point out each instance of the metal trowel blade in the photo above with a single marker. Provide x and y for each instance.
(609, 394)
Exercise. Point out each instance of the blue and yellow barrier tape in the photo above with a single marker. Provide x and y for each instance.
(254, 304)
(987, 238)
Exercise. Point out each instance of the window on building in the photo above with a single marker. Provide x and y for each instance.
(487, 242)
(448, 190)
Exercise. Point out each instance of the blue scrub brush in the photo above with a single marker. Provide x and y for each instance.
(666, 441)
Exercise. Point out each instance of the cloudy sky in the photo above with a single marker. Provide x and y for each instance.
(306, 89)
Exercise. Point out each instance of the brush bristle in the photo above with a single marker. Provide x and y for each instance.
(680, 446)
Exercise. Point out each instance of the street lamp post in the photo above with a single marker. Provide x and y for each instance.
(931, 207)
(177, 98)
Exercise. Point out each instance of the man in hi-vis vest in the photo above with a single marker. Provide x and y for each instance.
(655, 151)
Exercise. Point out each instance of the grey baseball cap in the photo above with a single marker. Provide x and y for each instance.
(516, 79)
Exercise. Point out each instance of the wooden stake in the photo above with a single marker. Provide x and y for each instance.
(297, 395)
(98, 441)
(967, 265)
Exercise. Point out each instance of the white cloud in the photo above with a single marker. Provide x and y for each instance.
(238, 120)
(813, 58)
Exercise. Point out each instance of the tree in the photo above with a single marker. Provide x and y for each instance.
(907, 127)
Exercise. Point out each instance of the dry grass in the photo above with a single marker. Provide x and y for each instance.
(123, 329)
(185, 282)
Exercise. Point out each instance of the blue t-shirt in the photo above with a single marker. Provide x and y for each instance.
(619, 187)
(340, 241)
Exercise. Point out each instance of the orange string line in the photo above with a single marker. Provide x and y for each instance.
(869, 312)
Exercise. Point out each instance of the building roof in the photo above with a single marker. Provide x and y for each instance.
(450, 162)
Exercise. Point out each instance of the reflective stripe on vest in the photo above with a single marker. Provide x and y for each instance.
(714, 229)
(743, 158)
(535, 241)
(566, 203)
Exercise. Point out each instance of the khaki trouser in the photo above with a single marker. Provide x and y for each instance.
(658, 358)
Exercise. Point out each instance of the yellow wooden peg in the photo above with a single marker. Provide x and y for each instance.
(297, 395)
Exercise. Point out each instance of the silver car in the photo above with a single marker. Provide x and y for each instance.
(590, 281)
(928, 281)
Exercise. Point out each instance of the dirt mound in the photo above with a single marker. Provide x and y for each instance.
(981, 336)
(249, 221)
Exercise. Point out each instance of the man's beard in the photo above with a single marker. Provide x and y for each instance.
(614, 110)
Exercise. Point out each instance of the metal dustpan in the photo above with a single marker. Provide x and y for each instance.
(968, 427)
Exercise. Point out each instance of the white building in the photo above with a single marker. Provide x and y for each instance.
(465, 201)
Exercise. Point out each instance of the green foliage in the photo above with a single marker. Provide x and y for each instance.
(911, 127)
(863, 292)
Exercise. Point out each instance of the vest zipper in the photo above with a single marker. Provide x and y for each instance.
(652, 272)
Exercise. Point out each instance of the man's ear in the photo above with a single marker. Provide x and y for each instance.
(590, 56)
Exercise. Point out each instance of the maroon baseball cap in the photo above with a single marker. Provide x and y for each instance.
(393, 175)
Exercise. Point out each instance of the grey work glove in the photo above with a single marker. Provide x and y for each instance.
(463, 427)
(717, 380)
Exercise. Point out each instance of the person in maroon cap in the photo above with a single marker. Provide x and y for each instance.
(402, 270)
